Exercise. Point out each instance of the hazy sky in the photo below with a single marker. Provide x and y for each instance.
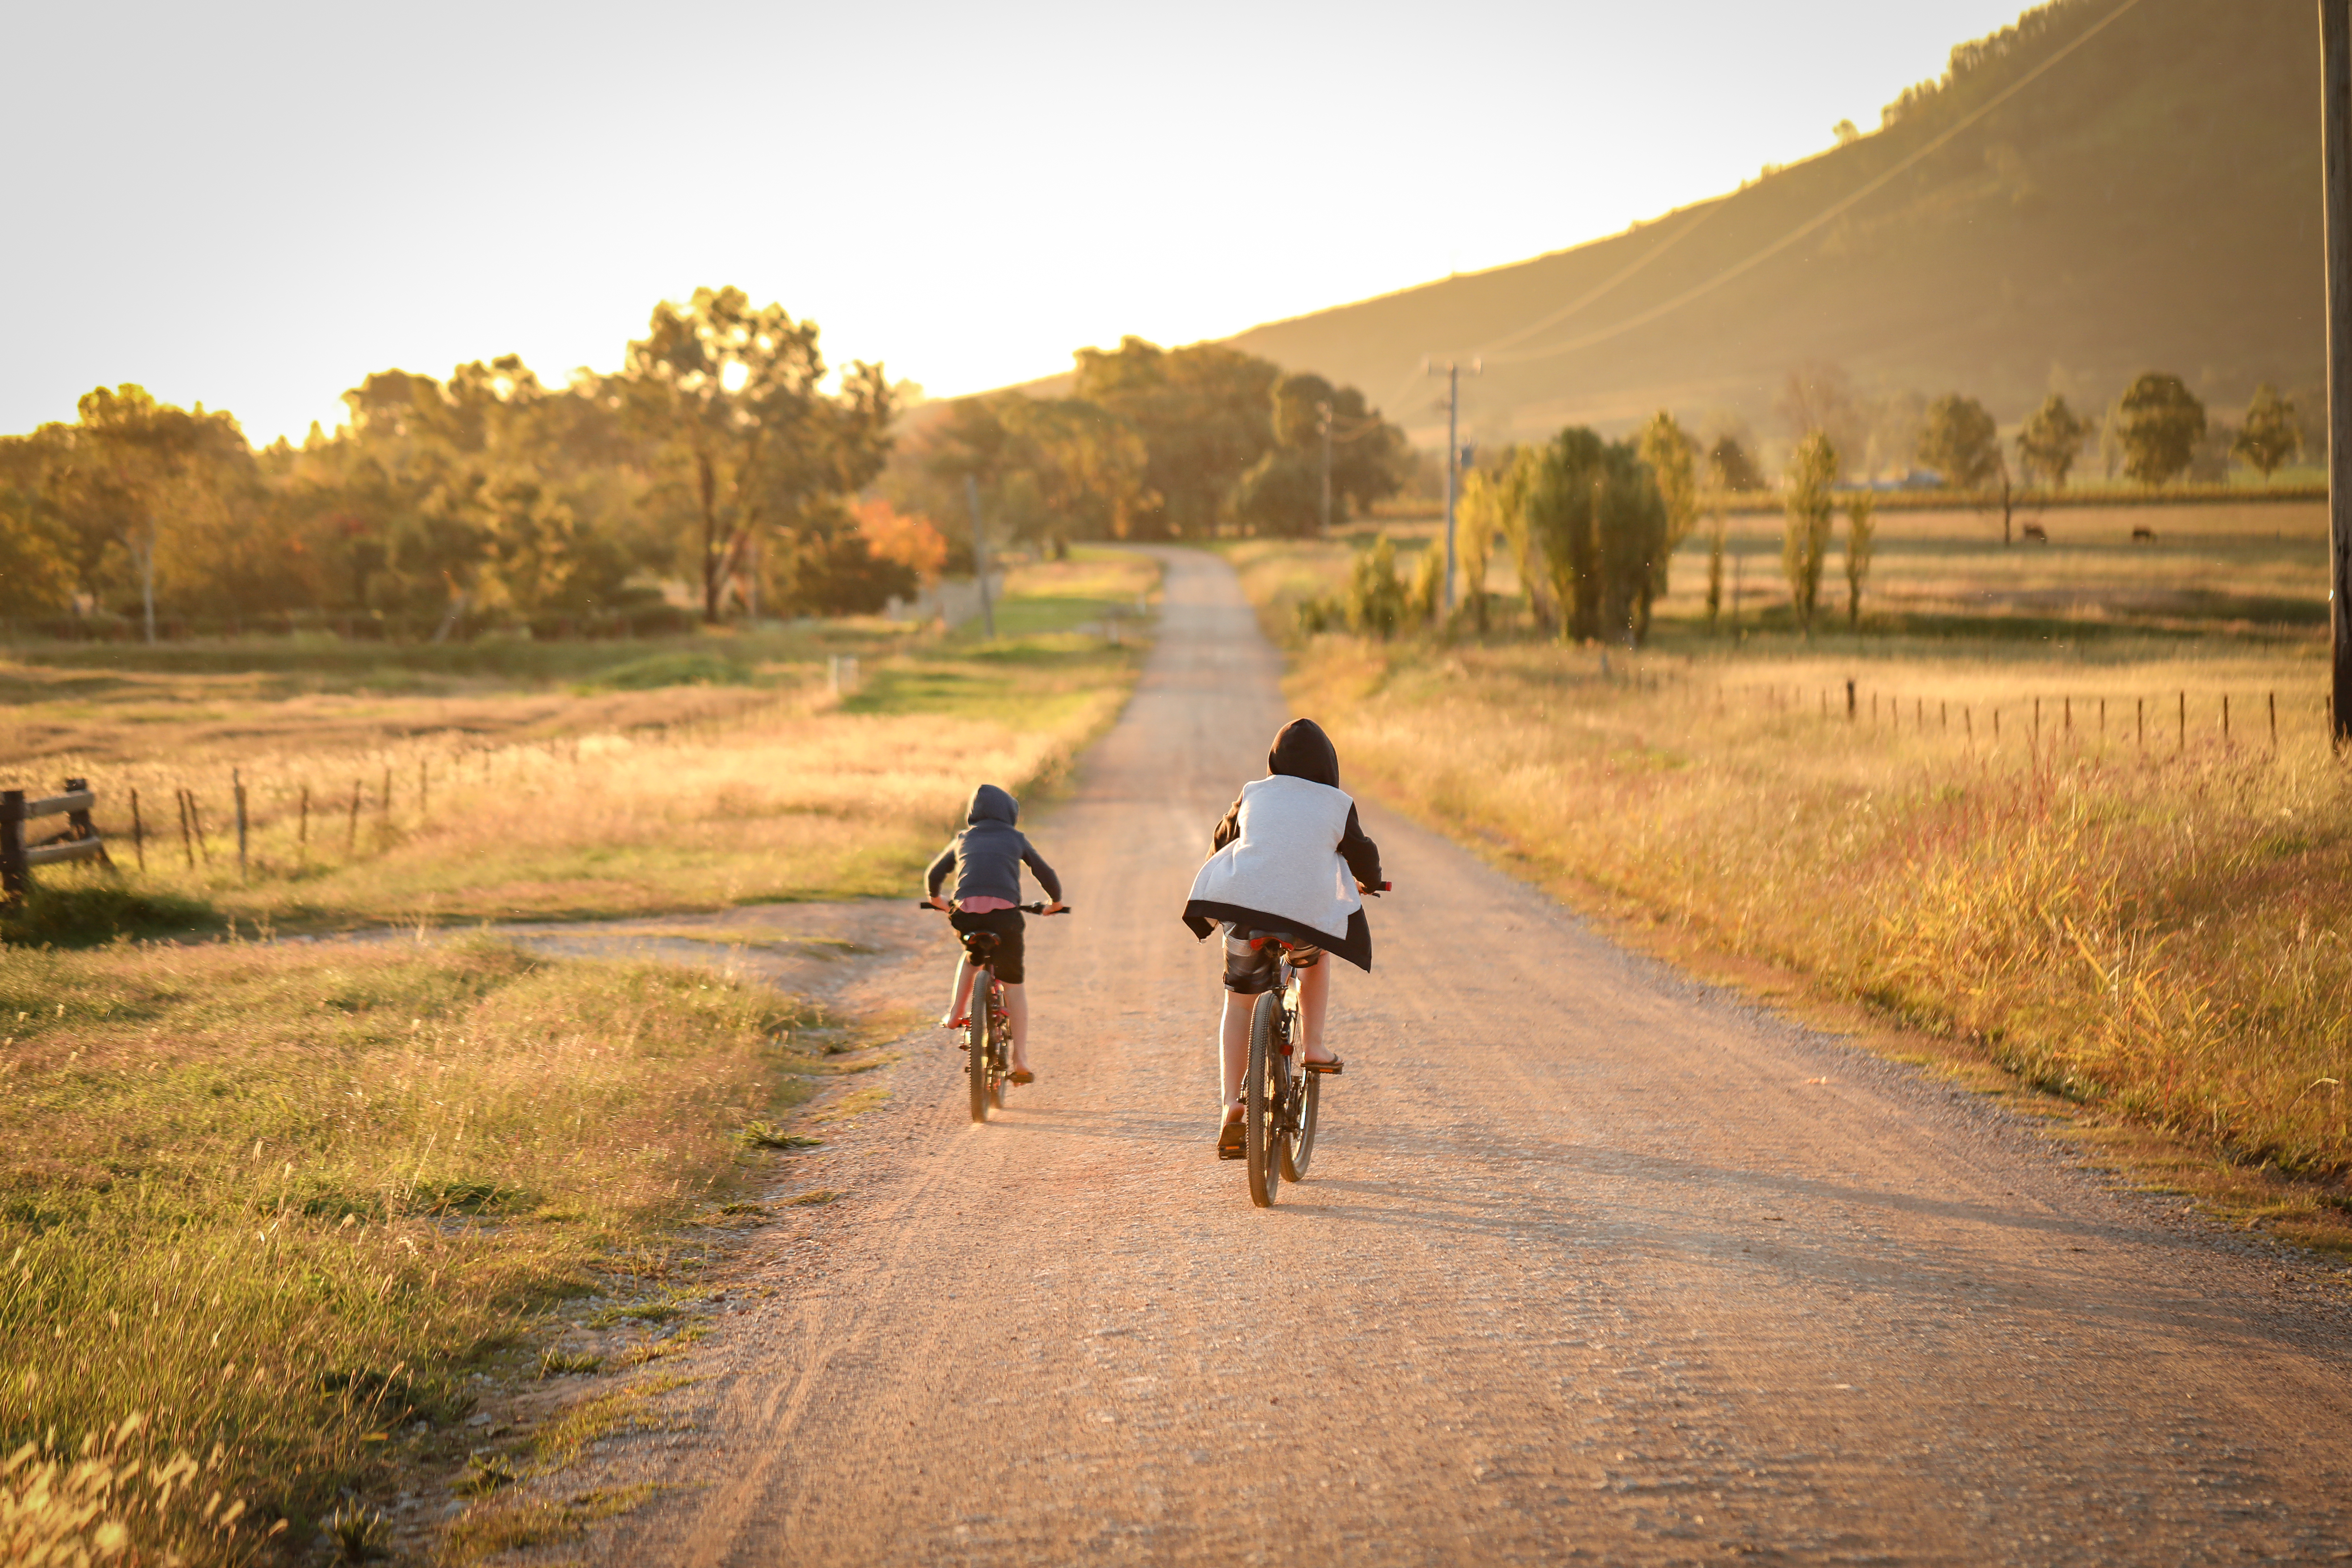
(254, 205)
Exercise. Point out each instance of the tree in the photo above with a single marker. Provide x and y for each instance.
(730, 401)
(1370, 459)
(36, 573)
(914, 542)
(1818, 395)
(1375, 601)
(1560, 524)
(1731, 468)
(1424, 595)
(1595, 510)
(1673, 456)
(1861, 544)
(2159, 423)
(129, 463)
(1205, 416)
(2050, 438)
(1812, 470)
(1960, 442)
(1477, 518)
(2271, 434)
(1515, 486)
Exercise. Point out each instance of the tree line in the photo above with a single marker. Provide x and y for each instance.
(721, 471)
(722, 454)
(1154, 444)
(1591, 524)
(2155, 431)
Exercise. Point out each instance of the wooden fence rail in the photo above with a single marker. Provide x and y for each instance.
(79, 841)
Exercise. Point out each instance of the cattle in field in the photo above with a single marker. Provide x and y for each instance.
(2037, 534)
(2143, 534)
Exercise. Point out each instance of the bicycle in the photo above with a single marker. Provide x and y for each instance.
(1280, 1098)
(987, 1029)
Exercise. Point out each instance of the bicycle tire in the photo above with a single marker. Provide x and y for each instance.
(1261, 1101)
(1300, 1149)
(976, 1056)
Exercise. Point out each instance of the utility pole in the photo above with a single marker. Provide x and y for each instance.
(1454, 454)
(980, 557)
(1324, 408)
(2335, 122)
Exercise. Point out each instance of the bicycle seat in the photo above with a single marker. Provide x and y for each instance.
(979, 943)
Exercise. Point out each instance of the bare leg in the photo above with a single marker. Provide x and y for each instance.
(1314, 993)
(1016, 1012)
(1233, 1044)
(956, 1006)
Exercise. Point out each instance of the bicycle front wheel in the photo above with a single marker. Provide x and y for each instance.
(1262, 1102)
(979, 1046)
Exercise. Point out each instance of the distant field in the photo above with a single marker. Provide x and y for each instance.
(2262, 567)
(562, 781)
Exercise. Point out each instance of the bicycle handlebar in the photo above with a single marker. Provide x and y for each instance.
(1037, 909)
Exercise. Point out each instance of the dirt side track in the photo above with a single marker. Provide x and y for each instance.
(1594, 1265)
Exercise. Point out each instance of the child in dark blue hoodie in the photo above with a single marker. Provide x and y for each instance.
(986, 858)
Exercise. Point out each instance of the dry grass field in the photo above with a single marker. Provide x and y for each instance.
(2040, 843)
(287, 1208)
(709, 772)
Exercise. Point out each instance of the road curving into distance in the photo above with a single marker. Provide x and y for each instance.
(1595, 1263)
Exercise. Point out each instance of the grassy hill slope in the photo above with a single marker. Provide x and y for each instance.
(2150, 202)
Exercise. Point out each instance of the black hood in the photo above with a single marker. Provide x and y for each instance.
(1302, 751)
(990, 804)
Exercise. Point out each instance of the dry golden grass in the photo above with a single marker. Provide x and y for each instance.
(279, 1195)
(2158, 932)
(689, 797)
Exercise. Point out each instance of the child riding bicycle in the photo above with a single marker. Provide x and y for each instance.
(1288, 863)
(986, 858)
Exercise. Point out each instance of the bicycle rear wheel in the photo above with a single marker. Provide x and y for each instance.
(1262, 1103)
(978, 1044)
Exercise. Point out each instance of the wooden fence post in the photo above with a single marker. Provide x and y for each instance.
(188, 844)
(351, 833)
(2225, 718)
(15, 880)
(196, 821)
(138, 831)
(2183, 747)
(237, 784)
(302, 833)
(1849, 703)
(2274, 701)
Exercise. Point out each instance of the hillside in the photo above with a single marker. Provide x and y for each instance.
(2151, 200)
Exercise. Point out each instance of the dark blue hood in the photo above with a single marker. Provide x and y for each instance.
(990, 804)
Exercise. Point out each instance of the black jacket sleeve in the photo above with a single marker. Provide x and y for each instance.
(1363, 855)
(1043, 872)
(1229, 826)
(940, 869)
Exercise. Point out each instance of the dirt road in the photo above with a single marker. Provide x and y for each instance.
(1595, 1264)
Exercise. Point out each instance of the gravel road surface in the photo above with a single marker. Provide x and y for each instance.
(1594, 1265)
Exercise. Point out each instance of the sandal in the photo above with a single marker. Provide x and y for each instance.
(1335, 1067)
(1232, 1140)
(1022, 1075)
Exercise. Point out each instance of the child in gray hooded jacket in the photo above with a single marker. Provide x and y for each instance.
(986, 858)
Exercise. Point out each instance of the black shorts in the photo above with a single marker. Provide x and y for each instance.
(1252, 970)
(1006, 925)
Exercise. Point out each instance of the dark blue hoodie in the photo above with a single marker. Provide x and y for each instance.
(988, 854)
